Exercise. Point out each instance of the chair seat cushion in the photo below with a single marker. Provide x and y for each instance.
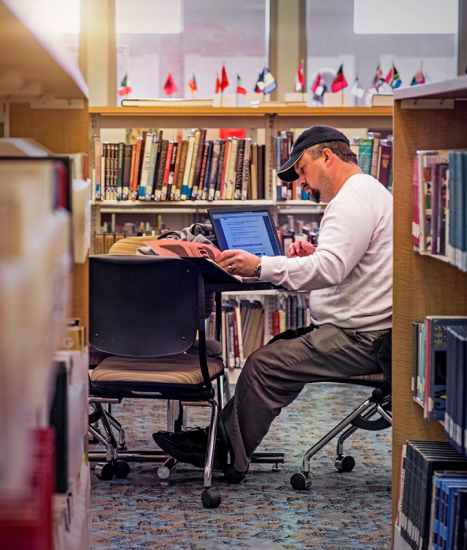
(175, 369)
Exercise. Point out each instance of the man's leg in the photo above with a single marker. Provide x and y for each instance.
(275, 374)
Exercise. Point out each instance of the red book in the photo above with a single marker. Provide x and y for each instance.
(235, 335)
(134, 182)
(275, 323)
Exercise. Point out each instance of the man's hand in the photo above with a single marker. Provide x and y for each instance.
(301, 248)
(238, 262)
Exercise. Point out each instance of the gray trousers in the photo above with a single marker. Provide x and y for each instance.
(274, 375)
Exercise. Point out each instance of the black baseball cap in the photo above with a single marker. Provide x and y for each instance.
(308, 138)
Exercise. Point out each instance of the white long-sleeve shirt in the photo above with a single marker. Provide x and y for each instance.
(350, 273)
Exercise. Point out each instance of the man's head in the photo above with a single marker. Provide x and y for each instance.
(321, 160)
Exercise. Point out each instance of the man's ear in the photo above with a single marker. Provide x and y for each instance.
(328, 155)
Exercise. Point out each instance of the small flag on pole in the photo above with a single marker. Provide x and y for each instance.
(357, 89)
(393, 78)
(170, 87)
(378, 78)
(125, 87)
(224, 79)
(319, 87)
(339, 82)
(193, 86)
(240, 88)
(266, 82)
(218, 84)
(299, 80)
(257, 85)
(419, 77)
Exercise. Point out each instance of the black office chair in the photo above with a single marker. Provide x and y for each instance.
(377, 404)
(147, 311)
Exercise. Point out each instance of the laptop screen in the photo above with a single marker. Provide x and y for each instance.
(246, 228)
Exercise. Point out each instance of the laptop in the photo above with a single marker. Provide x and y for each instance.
(249, 228)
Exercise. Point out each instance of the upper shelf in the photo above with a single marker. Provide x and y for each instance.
(456, 88)
(33, 63)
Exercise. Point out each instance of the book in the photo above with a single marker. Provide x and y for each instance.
(121, 148)
(260, 170)
(194, 160)
(188, 163)
(165, 167)
(126, 171)
(385, 161)
(181, 169)
(135, 180)
(174, 188)
(96, 143)
(161, 162)
(246, 169)
(198, 164)
(239, 169)
(214, 169)
(173, 161)
(230, 171)
(254, 171)
(375, 151)
(205, 170)
(149, 193)
(365, 154)
(225, 169)
(148, 145)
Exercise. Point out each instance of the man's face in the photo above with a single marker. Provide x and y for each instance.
(313, 177)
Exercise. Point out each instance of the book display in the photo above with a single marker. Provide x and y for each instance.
(44, 477)
(427, 294)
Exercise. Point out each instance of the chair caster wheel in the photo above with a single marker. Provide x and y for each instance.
(300, 481)
(163, 472)
(345, 464)
(105, 471)
(122, 469)
(233, 476)
(211, 498)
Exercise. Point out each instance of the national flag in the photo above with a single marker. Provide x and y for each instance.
(266, 82)
(218, 84)
(240, 88)
(193, 86)
(224, 79)
(299, 80)
(419, 77)
(319, 87)
(125, 87)
(339, 82)
(378, 78)
(393, 78)
(170, 87)
(259, 83)
(357, 89)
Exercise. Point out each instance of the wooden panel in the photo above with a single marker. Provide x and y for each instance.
(60, 130)
(422, 285)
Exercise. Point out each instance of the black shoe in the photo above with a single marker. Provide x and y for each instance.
(191, 446)
(233, 476)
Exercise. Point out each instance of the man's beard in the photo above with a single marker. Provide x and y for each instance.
(316, 195)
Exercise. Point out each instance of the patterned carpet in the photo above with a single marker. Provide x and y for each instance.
(341, 511)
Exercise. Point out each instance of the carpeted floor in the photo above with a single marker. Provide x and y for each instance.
(350, 511)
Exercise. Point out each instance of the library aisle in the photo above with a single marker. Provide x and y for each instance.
(350, 511)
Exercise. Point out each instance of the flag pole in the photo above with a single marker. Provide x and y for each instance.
(222, 87)
(304, 86)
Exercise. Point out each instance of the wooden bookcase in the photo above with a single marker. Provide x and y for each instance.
(422, 285)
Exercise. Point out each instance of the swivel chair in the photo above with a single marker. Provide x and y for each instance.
(377, 404)
(146, 311)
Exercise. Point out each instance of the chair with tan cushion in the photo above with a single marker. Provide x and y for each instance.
(146, 311)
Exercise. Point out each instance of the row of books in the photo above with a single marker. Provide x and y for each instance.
(429, 369)
(292, 312)
(440, 205)
(375, 157)
(427, 520)
(158, 169)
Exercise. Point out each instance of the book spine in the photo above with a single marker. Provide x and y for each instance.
(175, 172)
(163, 144)
(365, 154)
(106, 165)
(254, 171)
(97, 167)
(171, 184)
(189, 159)
(375, 153)
(230, 176)
(214, 168)
(415, 205)
(226, 168)
(239, 169)
(152, 169)
(134, 183)
(246, 169)
(198, 165)
(204, 166)
(194, 160)
(220, 170)
(181, 170)
(132, 168)
(168, 162)
(207, 172)
(111, 149)
(145, 168)
(126, 170)
(121, 149)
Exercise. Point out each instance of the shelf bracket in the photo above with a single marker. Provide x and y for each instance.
(427, 104)
(57, 104)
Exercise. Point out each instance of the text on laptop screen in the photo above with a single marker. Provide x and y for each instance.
(250, 231)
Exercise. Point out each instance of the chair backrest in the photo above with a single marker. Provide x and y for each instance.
(144, 306)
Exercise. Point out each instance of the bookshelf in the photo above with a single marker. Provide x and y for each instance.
(269, 117)
(428, 116)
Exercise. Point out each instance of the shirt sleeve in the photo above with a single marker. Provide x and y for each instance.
(345, 235)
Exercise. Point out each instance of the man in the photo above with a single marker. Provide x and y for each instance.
(349, 276)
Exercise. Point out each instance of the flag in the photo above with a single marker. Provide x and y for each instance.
(339, 82)
(419, 77)
(218, 84)
(240, 88)
(170, 87)
(299, 80)
(224, 80)
(125, 87)
(266, 82)
(259, 83)
(357, 89)
(378, 78)
(193, 86)
(319, 87)
(393, 78)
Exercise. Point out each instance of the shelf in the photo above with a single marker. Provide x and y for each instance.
(33, 64)
(172, 207)
(455, 88)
